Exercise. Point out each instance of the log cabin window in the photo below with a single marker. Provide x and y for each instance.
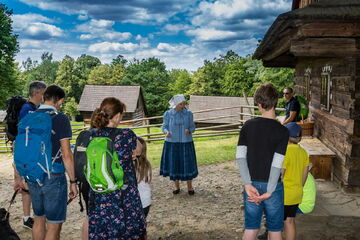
(307, 80)
(325, 94)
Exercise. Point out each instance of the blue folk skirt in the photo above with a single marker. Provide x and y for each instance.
(178, 161)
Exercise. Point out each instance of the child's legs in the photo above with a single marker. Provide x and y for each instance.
(290, 228)
(146, 211)
(274, 211)
(289, 221)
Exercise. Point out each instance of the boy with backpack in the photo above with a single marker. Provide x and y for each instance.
(42, 155)
(260, 154)
(36, 92)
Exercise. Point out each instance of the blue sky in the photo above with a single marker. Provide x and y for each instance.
(182, 33)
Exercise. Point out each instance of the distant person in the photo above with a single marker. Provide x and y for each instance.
(260, 154)
(292, 106)
(143, 174)
(36, 92)
(117, 214)
(178, 160)
(295, 173)
(49, 197)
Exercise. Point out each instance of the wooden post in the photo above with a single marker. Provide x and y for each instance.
(241, 116)
(148, 130)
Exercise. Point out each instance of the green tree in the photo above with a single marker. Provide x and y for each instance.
(67, 77)
(70, 108)
(152, 76)
(83, 66)
(8, 49)
(107, 75)
(180, 81)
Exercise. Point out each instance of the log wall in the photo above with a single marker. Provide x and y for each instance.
(338, 128)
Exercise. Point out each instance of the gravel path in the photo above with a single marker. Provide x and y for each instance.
(214, 212)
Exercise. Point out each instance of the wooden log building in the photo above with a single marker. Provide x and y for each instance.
(321, 40)
(132, 96)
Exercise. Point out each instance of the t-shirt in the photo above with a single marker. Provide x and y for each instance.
(61, 129)
(26, 108)
(296, 159)
(145, 193)
(292, 106)
(263, 137)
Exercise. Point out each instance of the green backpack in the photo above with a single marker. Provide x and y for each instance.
(103, 171)
(304, 106)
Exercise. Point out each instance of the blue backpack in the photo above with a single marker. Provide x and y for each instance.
(33, 148)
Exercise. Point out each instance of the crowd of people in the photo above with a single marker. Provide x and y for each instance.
(273, 168)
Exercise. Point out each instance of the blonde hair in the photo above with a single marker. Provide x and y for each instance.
(142, 164)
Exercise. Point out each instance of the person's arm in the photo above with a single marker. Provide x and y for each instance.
(18, 181)
(291, 117)
(68, 160)
(165, 126)
(191, 124)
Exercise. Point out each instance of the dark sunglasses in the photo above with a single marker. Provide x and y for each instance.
(286, 93)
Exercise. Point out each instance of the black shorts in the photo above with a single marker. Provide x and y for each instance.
(290, 210)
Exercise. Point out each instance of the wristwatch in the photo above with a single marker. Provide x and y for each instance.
(73, 181)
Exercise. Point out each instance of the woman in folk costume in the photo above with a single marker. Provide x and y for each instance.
(178, 160)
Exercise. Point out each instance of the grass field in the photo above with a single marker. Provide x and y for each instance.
(208, 149)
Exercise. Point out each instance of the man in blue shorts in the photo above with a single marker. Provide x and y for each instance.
(36, 92)
(260, 154)
(50, 198)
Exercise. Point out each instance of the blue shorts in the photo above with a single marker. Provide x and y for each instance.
(272, 207)
(50, 199)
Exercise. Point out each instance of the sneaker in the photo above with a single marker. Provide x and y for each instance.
(263, 235)
(29, 223)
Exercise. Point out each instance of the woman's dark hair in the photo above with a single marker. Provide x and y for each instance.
(267, 96)
(109, 107)
(54, 93)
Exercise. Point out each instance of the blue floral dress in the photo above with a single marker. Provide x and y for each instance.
(118, 215)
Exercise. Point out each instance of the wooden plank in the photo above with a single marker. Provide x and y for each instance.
(324, 47)
(331, 29)
(321, 166)
(314, 147)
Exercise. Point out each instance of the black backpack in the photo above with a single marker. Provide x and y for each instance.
(14, 105)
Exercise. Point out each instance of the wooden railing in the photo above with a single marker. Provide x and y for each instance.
(208, 131)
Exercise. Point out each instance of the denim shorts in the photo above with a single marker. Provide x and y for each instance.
(50, 199)
(272, 207)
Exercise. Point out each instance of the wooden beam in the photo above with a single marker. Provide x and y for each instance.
(324, 47)
(331, 29)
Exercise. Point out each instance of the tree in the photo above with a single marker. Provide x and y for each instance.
(107, 75)
(180, 81)
(70, 108)
(67, 77)
(119, 60)
(152, 76)
(83, 66)
(8, 48)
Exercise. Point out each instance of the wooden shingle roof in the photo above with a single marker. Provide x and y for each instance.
(198, 103)
(93, 95)
(277, 40)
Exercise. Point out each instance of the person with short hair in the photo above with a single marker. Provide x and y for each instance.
(36, 92)
(295, 172)
(292, 106)
(49, 199)
(260, 154)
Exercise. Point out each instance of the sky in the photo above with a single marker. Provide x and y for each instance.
(181, 33)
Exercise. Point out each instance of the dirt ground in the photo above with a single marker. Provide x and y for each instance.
(214, 212)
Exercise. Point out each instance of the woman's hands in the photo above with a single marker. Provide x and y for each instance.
(187, 131)
(168, 135)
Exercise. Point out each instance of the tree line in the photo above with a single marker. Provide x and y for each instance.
(225, 75)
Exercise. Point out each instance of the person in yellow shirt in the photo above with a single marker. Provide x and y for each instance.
(295, 171)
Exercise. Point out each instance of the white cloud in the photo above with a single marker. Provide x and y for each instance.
(106, 47)
(205, 34)
(175, 28)
(82, 17)
(36, 26)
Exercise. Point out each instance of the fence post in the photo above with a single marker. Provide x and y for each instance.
(241, 116)
(148, 129)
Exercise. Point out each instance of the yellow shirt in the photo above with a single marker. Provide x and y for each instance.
(296, 159)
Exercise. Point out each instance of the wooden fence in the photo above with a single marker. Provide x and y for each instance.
(210, 131)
